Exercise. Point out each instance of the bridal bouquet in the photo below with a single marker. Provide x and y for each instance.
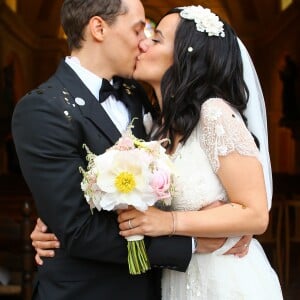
(132, 172)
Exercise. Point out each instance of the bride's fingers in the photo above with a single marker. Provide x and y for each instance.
(45, 253)
(40, 253)
(126, 233)
(38, 260)
(44, 245)
(128, 224)
(126, 230)
(128, 215)
(40, 225)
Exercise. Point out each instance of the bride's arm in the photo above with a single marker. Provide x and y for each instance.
(44, 243)
(246, 214)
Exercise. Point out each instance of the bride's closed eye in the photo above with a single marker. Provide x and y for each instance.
(157, 37)
(155, 41)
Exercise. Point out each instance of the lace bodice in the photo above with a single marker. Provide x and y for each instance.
(219, 132)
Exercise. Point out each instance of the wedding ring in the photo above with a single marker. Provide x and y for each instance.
(129, 224)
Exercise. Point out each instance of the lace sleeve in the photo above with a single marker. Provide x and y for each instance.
(223, 131)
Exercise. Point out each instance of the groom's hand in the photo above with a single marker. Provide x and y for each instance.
(209, 245)
(241, 248)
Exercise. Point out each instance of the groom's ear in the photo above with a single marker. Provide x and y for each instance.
(97, 28)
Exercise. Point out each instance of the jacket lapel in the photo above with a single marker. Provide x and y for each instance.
(91, 109)
(135, 110)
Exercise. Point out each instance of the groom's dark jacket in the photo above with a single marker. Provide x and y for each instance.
(50, 124)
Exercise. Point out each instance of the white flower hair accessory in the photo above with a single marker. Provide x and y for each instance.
(205, 19)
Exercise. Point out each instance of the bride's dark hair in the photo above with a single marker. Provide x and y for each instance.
(212, 69)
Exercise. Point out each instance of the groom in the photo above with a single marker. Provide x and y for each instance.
(50, 125)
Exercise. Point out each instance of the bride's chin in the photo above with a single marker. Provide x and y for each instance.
(139, 74)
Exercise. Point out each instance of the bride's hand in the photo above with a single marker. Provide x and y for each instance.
(152, 222)
(43, 242)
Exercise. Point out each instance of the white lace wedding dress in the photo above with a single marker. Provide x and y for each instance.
(215, 276)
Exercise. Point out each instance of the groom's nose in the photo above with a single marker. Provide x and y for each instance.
(144, 45)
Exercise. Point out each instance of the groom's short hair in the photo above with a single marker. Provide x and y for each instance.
(75, 15)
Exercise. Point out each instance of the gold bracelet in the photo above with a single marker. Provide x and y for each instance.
(174, 222)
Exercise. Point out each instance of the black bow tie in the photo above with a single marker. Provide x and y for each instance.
(107, 89)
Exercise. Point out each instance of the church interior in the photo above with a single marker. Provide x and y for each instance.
(32, 43)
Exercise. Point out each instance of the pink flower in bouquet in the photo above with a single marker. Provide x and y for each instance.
(161, 183)
(125, 143)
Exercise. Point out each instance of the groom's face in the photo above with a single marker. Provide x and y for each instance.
(124, 37)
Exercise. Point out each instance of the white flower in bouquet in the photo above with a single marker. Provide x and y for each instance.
(124, 179)
(132, 172)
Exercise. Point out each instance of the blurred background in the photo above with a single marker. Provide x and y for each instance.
(31, 46)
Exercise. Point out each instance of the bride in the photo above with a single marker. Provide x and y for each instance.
(195, 64)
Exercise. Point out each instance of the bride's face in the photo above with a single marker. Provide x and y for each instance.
(158, 55)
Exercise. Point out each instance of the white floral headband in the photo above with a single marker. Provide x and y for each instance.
(205, 19)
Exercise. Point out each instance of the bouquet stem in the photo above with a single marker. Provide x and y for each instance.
(138, 261)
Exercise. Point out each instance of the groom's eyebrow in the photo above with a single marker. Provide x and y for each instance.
(140, 24)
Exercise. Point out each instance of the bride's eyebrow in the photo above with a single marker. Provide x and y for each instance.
(157, 31)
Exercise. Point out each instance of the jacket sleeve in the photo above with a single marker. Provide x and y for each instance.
(171, 252)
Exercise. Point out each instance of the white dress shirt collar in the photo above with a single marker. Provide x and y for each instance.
(116, 110)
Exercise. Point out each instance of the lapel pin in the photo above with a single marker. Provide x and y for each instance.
(79, 101)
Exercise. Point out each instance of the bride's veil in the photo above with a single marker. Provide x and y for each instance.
(257, 119)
